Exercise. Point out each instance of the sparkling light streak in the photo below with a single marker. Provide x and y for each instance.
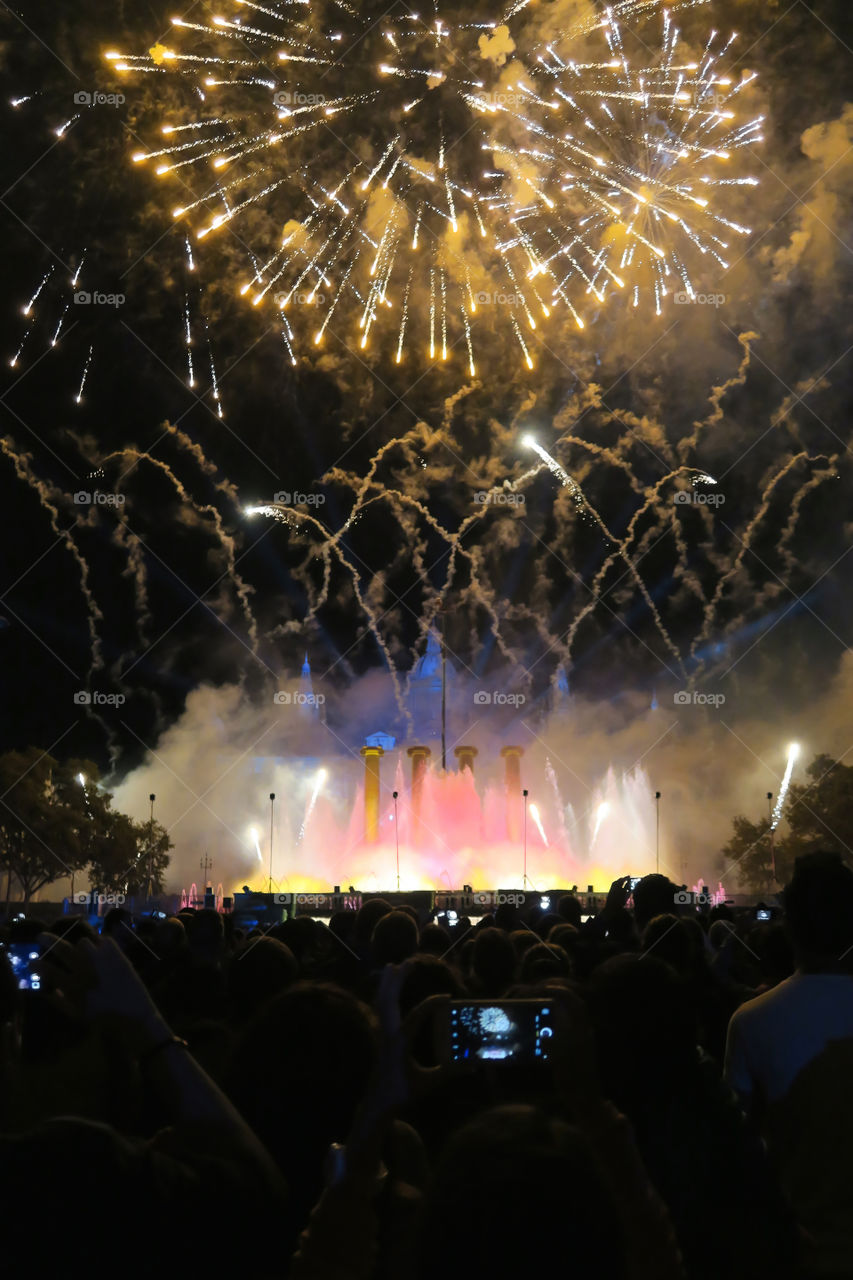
(591, 172)
(793, 753)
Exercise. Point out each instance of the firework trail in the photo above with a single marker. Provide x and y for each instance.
(242, 588)
(621, 546)
(48, 498)
(79, 397)
(793, 753)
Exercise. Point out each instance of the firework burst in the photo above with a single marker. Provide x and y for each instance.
(394, 175)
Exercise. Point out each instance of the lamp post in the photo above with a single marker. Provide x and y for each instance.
(524, 877)
(657, 832)
(272, 812)
(150, 895)
(397, 836)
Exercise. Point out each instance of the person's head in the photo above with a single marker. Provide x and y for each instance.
(545, 921)
(433, 941)
(394, 939)
(508, 1171)
(543, 961)
(565, 936)
(654, 895)
(507, 916)
(170, 940)
(522, 940)
(719, 932)
(73, 929)
(493, 962)
(118, 925)
(298, 1072)
(819, 911)
(645, 1028)
(366, 921)
(670, 939)
(427, 976)
(258, 971)
(207, 935)
(569, 908)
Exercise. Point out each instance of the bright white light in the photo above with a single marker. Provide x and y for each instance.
(793, 752)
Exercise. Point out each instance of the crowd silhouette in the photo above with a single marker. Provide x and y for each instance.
(184, 1095)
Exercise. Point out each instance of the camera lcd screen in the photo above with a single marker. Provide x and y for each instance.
(22, 957)
(519, 1031)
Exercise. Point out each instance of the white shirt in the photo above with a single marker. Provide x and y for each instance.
(772, 1037)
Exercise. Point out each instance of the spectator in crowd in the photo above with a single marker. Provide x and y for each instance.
(312, 1114)
(789, 1056)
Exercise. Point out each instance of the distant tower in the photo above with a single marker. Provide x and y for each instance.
(305, 682)
(559, 695)
(308, 702)
(425, 690)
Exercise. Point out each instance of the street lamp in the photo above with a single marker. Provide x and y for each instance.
(397, 835)
(272, 811)
(151, 799)
(657, 832)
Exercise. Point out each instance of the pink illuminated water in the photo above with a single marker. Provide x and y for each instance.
(470, 830)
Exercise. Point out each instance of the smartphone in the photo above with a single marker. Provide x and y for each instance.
(762, 914)
(472, 1031)
(22, 957)
(634, 881)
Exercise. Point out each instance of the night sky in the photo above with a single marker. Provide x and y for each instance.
(175, 587)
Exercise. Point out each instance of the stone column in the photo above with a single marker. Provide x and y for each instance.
(512, 783)
(465, 756)
(419, 757)
(371, 757)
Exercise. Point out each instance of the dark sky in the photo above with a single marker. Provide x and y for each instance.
(176, 586)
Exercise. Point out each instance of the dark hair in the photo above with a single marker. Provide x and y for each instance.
(258, 971)
(394, 939)
(433, 941)
(569, 908)
(545, 960)
(819, 906)
(654, 895)
(518, 1161)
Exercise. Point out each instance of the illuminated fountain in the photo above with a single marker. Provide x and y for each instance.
(455, 827)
